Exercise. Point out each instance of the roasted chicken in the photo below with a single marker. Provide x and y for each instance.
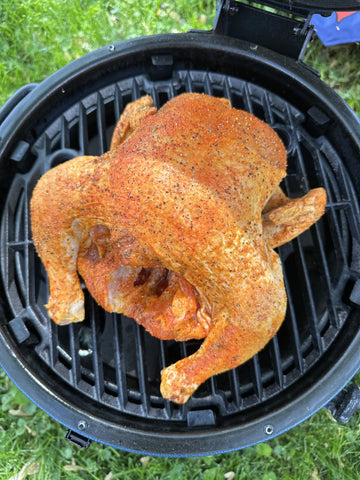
(176, 227)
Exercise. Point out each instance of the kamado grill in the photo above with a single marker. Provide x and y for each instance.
(101, 378)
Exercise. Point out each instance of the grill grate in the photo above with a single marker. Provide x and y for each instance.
(111, 360)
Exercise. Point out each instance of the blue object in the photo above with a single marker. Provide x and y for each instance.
(340, 27)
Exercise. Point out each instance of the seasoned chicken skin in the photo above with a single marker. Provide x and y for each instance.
(176, 227)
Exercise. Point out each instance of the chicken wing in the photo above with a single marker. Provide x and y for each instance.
(176, 227)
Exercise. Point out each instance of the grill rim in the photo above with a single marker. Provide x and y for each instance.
(34, 101)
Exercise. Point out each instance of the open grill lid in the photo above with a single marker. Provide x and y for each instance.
(310, 6)
(287, 34)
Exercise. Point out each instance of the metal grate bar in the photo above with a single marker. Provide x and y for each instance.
(321, 258)
(19, 214)
(74, 347)
(234, 381)
(141, 369)
(53, 344)
(19, 243)
(83, 130)
(309, 302)
(183, 352)
(228, 90)
(248, 105)
(332, 206)
(257, 380)
(97, 361)
(167, 403)
(208, 85)
(21, 254)
(135, 90)
(19, 279)
(64, 132)
(154, 93)
(276, 361)
(212, 383)
(118, 103)
(101, 124)
(269, 115)
(120, 370)
(336, 235)
(338, 205)
(188, 82)
(292, 325)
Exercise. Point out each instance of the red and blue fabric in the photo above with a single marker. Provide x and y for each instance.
(340, 27)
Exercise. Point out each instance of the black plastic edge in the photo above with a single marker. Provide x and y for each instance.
(311, 6)
(14, 100)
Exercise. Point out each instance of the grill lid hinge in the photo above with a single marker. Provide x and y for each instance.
(77, 439)
(285, 34)
(343, 406)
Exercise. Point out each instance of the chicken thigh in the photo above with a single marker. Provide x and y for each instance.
(176, 227)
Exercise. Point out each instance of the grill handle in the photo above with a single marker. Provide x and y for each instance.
(77, 439)
(343, 406)
(9, 106)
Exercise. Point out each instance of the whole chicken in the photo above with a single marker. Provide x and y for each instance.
(176, 227)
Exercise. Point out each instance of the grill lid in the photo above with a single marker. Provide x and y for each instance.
(101, 378)
(287, 34)
(310, 6)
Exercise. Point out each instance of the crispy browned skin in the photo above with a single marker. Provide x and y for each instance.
(285, 218)
(167, 227)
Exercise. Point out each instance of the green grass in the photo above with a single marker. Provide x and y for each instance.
(318, 449)
(37, 38)
(339, 67)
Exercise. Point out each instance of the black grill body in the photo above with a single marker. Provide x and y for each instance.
(101, 378)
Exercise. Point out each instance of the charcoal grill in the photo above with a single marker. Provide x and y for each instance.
(101, 378)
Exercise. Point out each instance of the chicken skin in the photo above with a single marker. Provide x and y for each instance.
(176, 227)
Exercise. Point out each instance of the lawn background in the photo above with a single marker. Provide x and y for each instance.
(36, 39)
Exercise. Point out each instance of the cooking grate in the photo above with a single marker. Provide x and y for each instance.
(111, 361)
